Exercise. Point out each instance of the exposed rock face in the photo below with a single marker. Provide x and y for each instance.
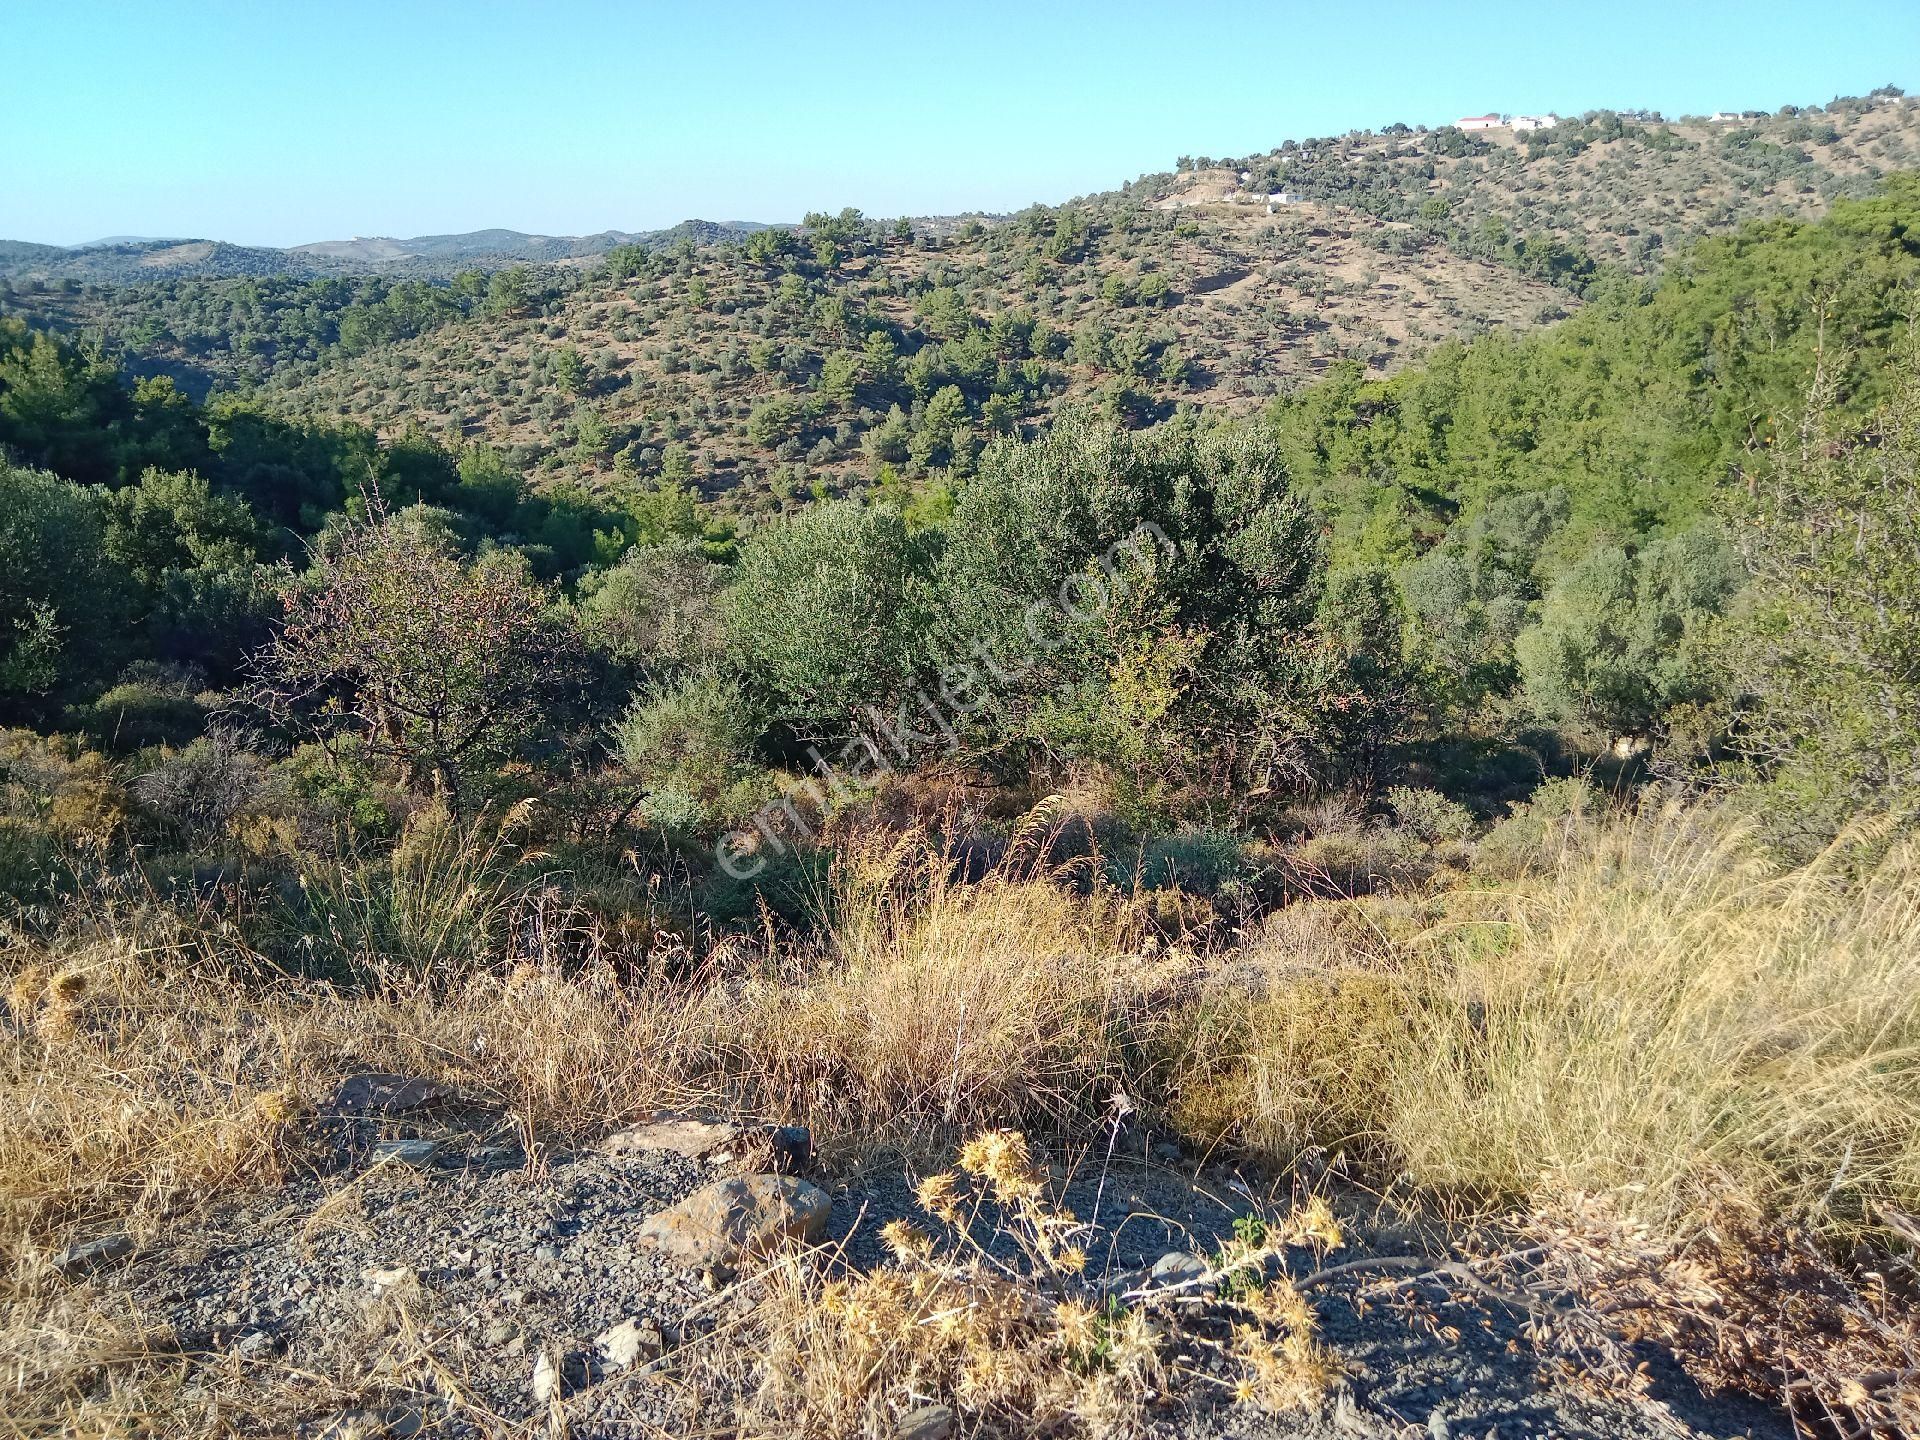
(734, 1220)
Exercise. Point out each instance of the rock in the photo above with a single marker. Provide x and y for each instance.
(380, 1281)
(375, 1094)
(546, 1379)
(749, 1149)
(499, 1333)
(416, 1153)
(631, 1342)
(1178, 1267)
(929, 1422)
(90, 1255)
(732, 1220)
(1437, 1426)
(558, 1374)
(256, 1345)
(674, 1135)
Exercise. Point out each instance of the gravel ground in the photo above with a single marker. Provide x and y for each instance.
(483, 1262)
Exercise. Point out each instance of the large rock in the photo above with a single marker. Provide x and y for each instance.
(734, 1220)
(747, 1149)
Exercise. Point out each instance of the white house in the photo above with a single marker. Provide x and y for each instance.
(1536, 122)
(1479, 122)
(1283, 197)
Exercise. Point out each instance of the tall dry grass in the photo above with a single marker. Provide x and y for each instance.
(1658, 1014)
(1666, 1018)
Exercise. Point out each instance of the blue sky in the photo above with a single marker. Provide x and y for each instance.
(274, 122)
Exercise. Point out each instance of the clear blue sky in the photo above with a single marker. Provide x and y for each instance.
(275, 121)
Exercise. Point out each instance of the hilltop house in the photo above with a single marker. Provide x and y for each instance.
(1536, 122)
(1479, 122)
(1283, 197)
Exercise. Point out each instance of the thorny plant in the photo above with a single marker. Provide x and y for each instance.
(993, 1311)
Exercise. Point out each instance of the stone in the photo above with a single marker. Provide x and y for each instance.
(546, 1379)
(557, 1374)
(90, 1255)
(379, 1281)
(418, 1154)
(673, 1135)
(376, 1094)
(256, 1345)
(1437, 1426)
(631, 1342)
(929, 1422)
(749, 1149)
(1178, 1267)
(736, 1219)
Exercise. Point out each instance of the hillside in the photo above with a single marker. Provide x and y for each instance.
(806, 362)
(1324, 843)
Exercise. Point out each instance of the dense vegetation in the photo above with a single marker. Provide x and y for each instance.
(1052, 681)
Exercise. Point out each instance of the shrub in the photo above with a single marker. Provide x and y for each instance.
(828, 614)
(63, 603)
(689, 742)
(658, 609)
(1116, 595)
(1620, 638)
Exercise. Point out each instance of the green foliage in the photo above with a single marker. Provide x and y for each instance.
(1621, 637)
(690, 742)
(828, 614)
(658, 610)
(1826, 652)
(63, 601)
(1133, 597)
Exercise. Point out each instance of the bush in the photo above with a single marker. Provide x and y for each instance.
(1118, 596)
(658, 610)
(203, 788)
(1621, 637)
(151, 705)
(690, 743)
(63, 603)
(828, 614)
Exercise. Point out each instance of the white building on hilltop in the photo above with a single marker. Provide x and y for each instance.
(1479, 122)
(1536, 122)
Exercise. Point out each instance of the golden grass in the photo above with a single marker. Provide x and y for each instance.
(1666, 1019)
(1660, 1018)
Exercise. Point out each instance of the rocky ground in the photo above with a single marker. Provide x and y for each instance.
(440, 1279)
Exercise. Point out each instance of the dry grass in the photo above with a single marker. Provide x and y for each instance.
(1668, 1020)
(1661, 1019)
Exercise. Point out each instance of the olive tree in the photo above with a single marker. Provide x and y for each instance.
(438, 663)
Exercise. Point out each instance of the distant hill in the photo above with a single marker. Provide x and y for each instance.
(769, 362)
(125, 260)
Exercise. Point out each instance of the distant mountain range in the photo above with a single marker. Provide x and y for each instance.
(120, 259)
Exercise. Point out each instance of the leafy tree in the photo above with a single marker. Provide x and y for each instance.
(435, 662)
(63, 601)
(1067, 557)
(1826, 649)
(1622, 637)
